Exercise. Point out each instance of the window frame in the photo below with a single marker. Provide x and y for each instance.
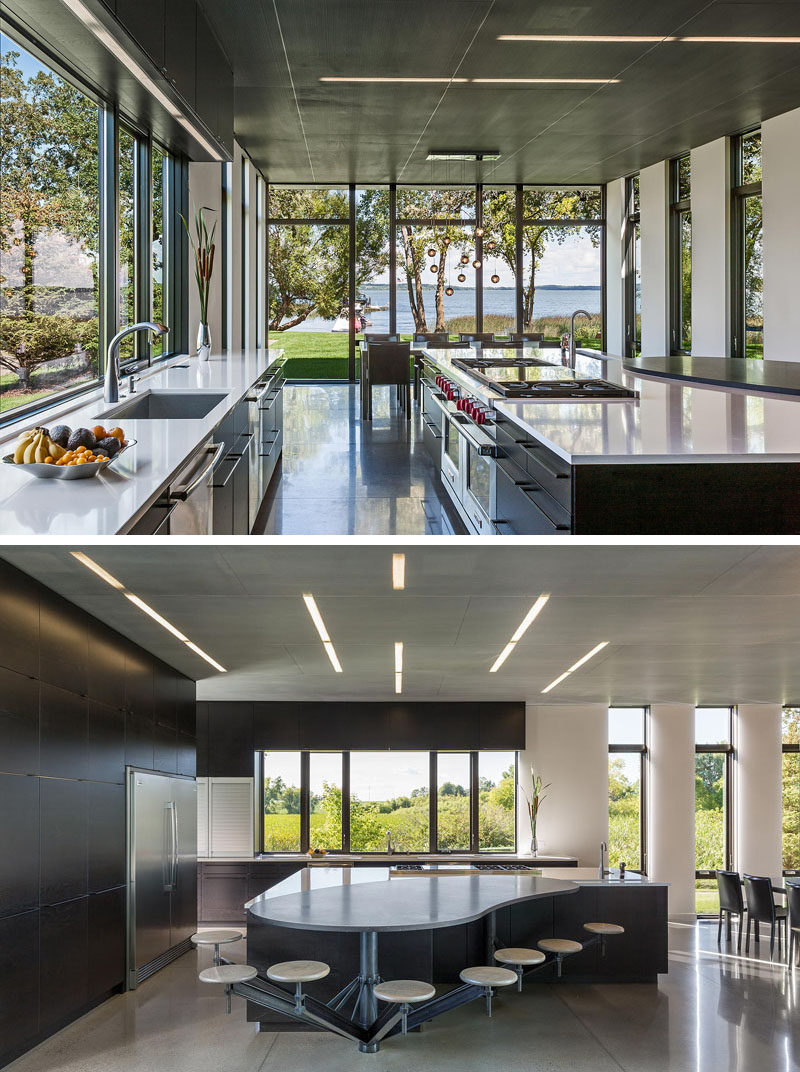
(305, 802)
(644, 754)
(729, 751)
(740, 192)
(678, 208)
(632, 222)
(787, 748)
(175, 201)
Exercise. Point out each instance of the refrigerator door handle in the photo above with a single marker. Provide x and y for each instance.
(174, 845)
(169, 861)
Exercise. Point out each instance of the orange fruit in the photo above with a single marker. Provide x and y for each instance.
(49, 461)
(80, 450)
(117, 433)
(99, 432)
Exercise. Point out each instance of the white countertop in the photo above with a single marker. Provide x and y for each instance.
(338, 858)
(111, 502)
(669, 422)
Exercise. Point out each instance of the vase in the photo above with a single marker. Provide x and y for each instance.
(203, 341)
(534, 845)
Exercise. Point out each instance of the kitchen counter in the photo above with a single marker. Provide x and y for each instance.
(111, 503)
(766, 377)
(407, 858)
(669, 422)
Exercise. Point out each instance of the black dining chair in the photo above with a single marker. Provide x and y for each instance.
(793, 904)
(438, 339)
(527, 336)
(731, 903)
(377, 336)
(482, 337)
(386, 363)
(761, 908)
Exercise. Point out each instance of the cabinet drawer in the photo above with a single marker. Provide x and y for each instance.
(524, 509)
(550, 472)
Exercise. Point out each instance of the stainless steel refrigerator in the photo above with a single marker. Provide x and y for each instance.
(162, 870)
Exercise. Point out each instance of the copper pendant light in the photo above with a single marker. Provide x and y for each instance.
(449, 291)
(431, 252)
(434, 268)
(464, 258)
(476, 263)
(495, 278)
(461, 277)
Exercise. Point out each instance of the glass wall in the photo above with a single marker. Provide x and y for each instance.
(52, 259)
(681, 255)
(627, 756)
(747, 248)
(281, 780)
(633, 269)
(790, 788)
(362, 801)
(713, 788)
(49, 232)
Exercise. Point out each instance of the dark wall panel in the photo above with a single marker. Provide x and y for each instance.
(73, 711)
(180, 35)
(230, 740)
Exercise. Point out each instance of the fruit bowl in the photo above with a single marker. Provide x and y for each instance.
(45, 471)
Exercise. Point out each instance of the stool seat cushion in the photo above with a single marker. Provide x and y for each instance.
(298, 971)
(488, 975)
(604, 928)
(228, 973)
(518, 955)
(404, 990)
(560, 945)
(218, 937)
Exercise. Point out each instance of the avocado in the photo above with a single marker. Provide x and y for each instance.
(81, 437)
(110, 445)
(60, 434)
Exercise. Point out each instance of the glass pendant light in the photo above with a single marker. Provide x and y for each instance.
(464, 258)
(434, 268)
(476, 263)
(461, 277)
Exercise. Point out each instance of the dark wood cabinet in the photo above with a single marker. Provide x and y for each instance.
(139, 682)
(187, 755)
(180, 34)
(144, 21)
(106, 846)
(139, 748)
(19, 723)
(106, 943)
(165, 749)
(19, 983)
(224, 887)
(106, 740)
(165, 696)
(19, 859)
(19, 623)
(64, 733)
(106, 668)
(64, 840)
(63, 941)
(230, 741)
(64, 644)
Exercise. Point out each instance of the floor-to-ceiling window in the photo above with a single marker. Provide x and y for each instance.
(790, 790)
(364, 801)
(747, 260)
(713, 802)
(79, 258)
(627, 776)
(680, 255)
(633, 269)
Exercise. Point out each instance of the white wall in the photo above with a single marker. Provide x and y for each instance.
(615, 282)
(670, 832)
(780, 149)
(568, 746)
(205, 190)
(758, 804)
(710, 169)
(654, 225)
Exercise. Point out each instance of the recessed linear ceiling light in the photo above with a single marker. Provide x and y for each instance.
(145, 607)
(107, 39)
(584, 659)
(398, 572)
(398, 666)
(709, 39)
(522, 628)
(316, 618)
(382, 78)
(463, 154)
(547, 81)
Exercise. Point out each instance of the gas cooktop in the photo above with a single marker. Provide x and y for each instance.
(530, 378)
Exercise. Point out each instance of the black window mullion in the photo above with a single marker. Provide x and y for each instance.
(433, 798)
(305, 803)
(108, 181)
(345, 802)
(142, 240)
(519, 256)
(474, 838)
(351, 287)
(392, 259)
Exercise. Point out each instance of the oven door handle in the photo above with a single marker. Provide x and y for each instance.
(183, 491)
(484, 444)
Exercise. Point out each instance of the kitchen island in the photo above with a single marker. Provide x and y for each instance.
(679, 457)
(433, 924)
(121, 499)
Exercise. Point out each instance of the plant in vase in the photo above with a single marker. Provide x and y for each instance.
(202, 243)
(534, 802)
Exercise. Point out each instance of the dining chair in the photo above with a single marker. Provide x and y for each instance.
(793, 904)
(386, 363)
(731, 903)
(438, 339)
(761, 908)
(527, 336)
(377, 336)
(476, 336)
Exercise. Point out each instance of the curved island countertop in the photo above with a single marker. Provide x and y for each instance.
(351, 899)
(769, 377)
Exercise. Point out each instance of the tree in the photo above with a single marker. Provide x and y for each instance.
(709, 780)
(539, 204)
(309, 262)
(450, 789)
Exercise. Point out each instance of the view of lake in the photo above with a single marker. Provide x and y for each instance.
(498, 300)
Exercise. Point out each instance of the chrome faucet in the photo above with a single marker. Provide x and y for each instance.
(602, 870)
(578, 312)
(389, 845)
(111, 387)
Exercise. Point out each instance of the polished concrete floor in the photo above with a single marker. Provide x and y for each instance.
(715, 1011)
(344, 476)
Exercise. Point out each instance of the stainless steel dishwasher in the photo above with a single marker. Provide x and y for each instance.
(192, 494)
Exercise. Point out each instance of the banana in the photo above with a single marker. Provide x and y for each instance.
(30, 451)
(55, 451)
(42, 447)
(23, 441)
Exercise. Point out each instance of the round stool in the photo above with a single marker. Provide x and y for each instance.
(601, 931)
(405, 993)
(298, 972)
(486, 977)
(228, 974)
(217, 938)
(560, 948)
(519, 959)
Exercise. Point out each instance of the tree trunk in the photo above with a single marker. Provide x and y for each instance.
(28, 255)
(415, 296)
(440, 291)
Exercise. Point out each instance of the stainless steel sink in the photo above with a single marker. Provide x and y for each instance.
(165, 406)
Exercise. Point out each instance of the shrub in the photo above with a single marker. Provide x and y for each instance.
(27, 342)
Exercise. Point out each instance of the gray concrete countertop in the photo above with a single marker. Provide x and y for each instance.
(356, 899)
(670, 421)
(768, 377)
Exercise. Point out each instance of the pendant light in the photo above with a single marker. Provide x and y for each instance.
(461, 277)
(476, 264)
(464, 258)
(434, 268)
(495, 278)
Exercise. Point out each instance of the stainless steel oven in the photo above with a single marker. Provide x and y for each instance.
(192, 493)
